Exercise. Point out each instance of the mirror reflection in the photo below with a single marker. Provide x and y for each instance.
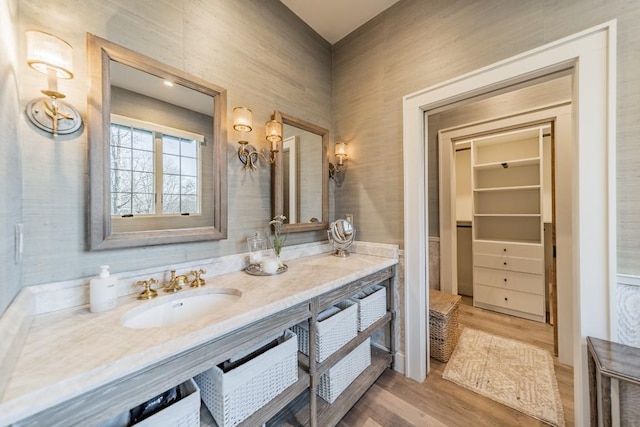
(301, 180)
(158, 173)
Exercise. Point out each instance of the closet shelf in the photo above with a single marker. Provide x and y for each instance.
(510, 188)
(511, 163)
(508, 215)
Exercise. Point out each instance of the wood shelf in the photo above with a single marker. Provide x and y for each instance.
(330, 414)
(303, 359)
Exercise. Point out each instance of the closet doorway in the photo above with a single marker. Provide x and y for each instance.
(505, 188)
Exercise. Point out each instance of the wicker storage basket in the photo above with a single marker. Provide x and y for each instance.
(443, 324)
(233, 396)
(183, 413)
(332, 332)
(339, 376)
(372, 305)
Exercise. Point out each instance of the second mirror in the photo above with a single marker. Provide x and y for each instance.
(300, 179)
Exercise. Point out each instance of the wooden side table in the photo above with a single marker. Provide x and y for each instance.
(608, 360)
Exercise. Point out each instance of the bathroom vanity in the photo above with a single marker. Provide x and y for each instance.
(80, 368)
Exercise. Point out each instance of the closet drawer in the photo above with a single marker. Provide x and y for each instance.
(509, 249)
(511, 300)
(511, 280)
(525, 265)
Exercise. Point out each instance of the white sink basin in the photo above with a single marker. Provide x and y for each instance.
(170, 310)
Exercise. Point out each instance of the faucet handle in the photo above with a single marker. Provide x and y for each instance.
(197, 281)
(148, 292)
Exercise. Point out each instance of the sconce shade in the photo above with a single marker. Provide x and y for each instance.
(341, 149)
(273, 129)
(341, 152)
(242, 119)
(45, 52)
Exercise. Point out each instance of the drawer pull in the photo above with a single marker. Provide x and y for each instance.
(506, 299)
(505, 263)
(504, 250)
(505, 280)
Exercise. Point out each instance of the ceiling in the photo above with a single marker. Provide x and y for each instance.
(334, 19)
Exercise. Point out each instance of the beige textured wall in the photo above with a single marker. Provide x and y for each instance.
(264, 56)
(10, 149)
(419, 43)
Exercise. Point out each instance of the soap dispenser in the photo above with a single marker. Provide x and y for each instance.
(103, 291)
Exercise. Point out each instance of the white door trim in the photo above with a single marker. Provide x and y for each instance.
(592, 56)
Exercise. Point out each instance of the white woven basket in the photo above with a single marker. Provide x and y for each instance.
(341, 375)
(332, 332)
(233, 396)
(372, 305)
(183, 413)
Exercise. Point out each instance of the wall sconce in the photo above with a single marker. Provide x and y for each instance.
(52, 56)
(248, 155)
(273, 129)
(243, 122)
(338, 171)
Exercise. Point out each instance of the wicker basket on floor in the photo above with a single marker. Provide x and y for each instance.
(443, 324)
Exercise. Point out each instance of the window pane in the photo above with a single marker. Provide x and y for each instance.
(121, 136)
(188, 166)
(189, 148)
(142, 139)
(143, 161)
(143, 204)
(120, 203)
(120, 158)
(120, 181)
(142, 182)
(171, 145)
(189, 204)
(170, 204)
(171, 184)
(189, 185)
(170, 164)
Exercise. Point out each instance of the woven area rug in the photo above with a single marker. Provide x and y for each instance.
(515, 374)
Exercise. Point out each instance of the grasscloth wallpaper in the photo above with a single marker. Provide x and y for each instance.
(264, 56)
(419, 43)
(10, 149)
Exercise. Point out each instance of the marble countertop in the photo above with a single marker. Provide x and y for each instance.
(72, 351)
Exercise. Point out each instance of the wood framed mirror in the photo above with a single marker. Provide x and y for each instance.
(300, 183)
(157, 158)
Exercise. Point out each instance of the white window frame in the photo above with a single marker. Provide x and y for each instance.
(158, 132)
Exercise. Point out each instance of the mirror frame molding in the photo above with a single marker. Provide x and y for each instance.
(99, 53)
(277, 188)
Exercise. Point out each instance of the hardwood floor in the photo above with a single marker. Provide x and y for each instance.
(395, 401)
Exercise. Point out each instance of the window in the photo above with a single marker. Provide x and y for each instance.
(155, 170)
